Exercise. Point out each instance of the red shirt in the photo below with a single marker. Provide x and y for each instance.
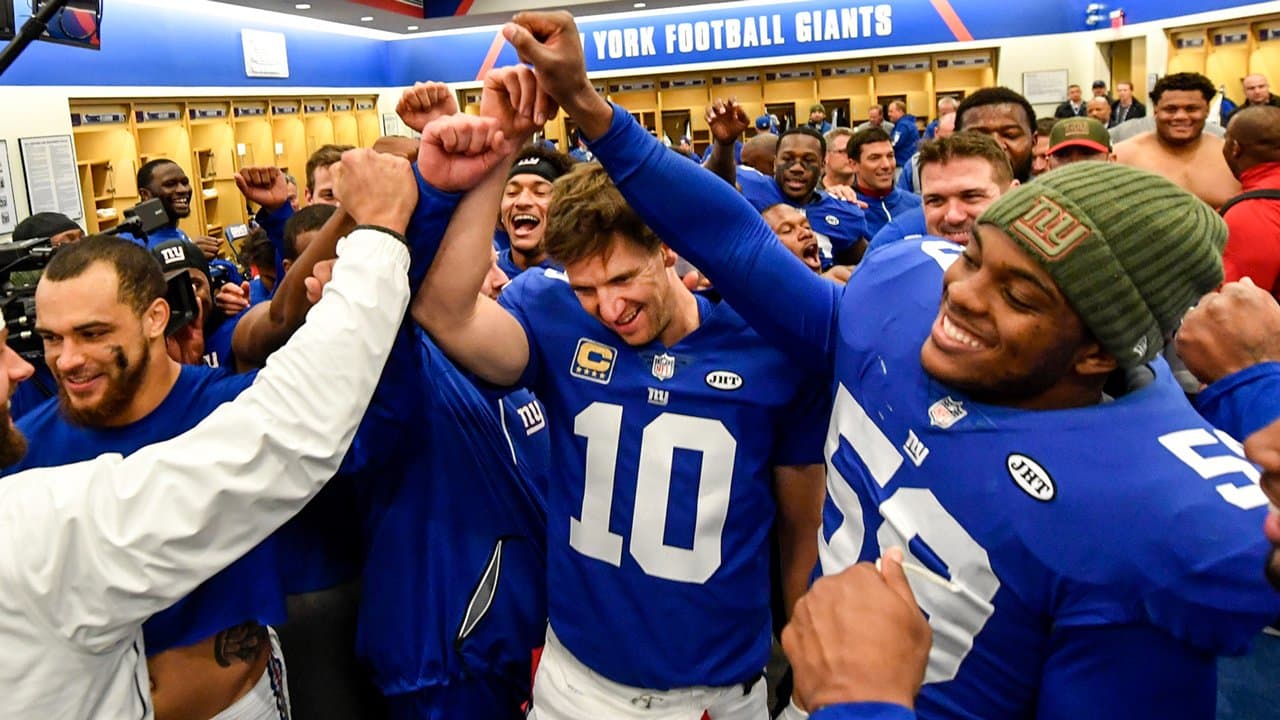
(1253, 238)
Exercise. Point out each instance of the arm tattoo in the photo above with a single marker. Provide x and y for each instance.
(242, 643)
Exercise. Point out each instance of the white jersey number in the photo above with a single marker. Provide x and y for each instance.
(943, 252)
(1183, 445)
(958, 608)
(601, 424)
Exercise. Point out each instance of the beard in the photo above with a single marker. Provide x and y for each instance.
(121, 388)
(13, 445)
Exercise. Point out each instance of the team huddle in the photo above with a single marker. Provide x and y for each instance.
(639, 473)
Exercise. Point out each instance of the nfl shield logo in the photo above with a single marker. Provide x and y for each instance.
(946, 412)
(664, 366)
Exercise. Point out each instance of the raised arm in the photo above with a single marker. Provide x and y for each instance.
(728, 121)
(1231, 342)
(94, 548)
(266, 186)
(267, 326)
(717, 230)
(474, 330)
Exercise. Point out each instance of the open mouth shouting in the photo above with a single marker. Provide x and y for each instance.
(523, 225)
(810, 256)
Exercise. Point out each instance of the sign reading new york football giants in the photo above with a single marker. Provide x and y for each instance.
(666, 40)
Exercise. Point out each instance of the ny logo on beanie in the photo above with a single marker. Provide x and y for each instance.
(1050, 229)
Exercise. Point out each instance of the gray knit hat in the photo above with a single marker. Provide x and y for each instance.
(1130, 250)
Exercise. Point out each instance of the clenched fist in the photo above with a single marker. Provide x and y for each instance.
(376, 189)
(424, 102)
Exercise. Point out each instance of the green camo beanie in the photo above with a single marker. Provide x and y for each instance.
(1130, 250)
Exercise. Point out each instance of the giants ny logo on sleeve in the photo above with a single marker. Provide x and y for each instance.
(531, 417)
(593, 361)
(1050, 229)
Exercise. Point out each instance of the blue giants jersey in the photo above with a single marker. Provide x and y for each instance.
(660, 500)
(248, 589)
(838, 224)
(455, 575)
(1034, 526)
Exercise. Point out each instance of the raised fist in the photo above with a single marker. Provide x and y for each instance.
(728, 121)
(264, 185)
(376, 188)
(512, 96)
(1230, 330)
(549, 41)
(424, 102)
(459, 150)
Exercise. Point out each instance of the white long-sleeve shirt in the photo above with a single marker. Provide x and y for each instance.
(89, 551)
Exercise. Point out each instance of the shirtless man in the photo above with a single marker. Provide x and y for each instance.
(1178, 149)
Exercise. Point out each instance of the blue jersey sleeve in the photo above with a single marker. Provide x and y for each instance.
(383, 427)
(864, 711)
(1200, 581)
(272, 223)
(516, 297)
(217, 346)
(1243, 403)
(723, 236)
(904, 226)
(802, 431)
(759, 189)
(843, 222)
(907, 179)
(427, 225)
(905, 138)
(1108, 672)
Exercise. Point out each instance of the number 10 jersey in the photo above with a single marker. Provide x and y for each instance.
(660, 486)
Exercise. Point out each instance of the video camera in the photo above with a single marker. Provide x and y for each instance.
(142, 219)
(21, 265)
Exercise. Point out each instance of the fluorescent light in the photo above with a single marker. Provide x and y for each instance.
(367, 18)
(412, 27)
(639, 5)
(302, 6)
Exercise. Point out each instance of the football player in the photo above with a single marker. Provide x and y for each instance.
(672, 425)
(1081, 554)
